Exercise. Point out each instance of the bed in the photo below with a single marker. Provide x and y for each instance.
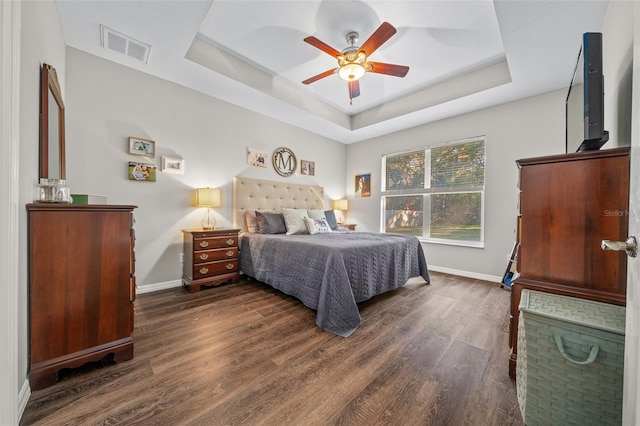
(328, 272)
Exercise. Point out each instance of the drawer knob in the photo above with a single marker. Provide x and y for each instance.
(230, 253)
(204, 270)
(230, 241)
(204, 243)
(229, 265)
(204, 256)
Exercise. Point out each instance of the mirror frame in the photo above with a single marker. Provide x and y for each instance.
(49, 84)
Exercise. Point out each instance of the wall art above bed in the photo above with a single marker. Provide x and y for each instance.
(257, 157)
(307, 168)
(284, 162)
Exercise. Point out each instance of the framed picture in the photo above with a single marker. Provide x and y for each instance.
(142, 172)
(173, 165)
(363, 185)
(307, 168)
(257, 157)
(138, 146)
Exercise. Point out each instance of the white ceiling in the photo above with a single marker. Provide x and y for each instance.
(463, 55)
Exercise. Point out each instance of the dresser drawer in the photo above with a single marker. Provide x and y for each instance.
(204, 270)
(217, 254)
(210, 258)
(215, 242)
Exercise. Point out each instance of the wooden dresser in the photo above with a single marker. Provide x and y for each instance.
(210, 257)
(568, 204)
(81, 286)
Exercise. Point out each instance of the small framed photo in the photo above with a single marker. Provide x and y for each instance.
(142, 172)
(257, 157)
(138, 146)
(363, 185)
(307, 168)
(173, 165)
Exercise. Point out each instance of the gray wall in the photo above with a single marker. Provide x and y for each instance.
(526, 128)
(107, 103)
(41, 42)
(617, 46)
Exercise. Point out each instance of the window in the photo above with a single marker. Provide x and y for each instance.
(436, 193)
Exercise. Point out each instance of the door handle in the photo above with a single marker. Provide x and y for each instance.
(630, 246)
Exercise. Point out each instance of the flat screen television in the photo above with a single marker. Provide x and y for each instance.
(585, 100)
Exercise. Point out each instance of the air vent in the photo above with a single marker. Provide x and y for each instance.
(125, 45)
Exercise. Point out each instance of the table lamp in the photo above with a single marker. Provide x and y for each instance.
(209, 198)
(340, 205)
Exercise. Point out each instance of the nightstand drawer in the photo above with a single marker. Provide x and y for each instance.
(215, 242)
(218, 254)
(204, 270)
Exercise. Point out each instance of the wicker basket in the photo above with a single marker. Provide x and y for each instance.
(570, 360)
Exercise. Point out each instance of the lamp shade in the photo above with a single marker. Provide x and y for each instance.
(339, 204)
(207, 197)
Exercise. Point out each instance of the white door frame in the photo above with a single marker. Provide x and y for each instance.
(10, 25)
(631, 392)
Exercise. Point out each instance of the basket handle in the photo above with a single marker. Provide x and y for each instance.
(592, 354)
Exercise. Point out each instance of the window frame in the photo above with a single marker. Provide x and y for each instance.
(428, 190)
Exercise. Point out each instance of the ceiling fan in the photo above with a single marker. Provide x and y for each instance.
(352, 61)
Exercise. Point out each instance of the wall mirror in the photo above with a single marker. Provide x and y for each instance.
(52, 154)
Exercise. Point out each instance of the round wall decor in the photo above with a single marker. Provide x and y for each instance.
(284, 161)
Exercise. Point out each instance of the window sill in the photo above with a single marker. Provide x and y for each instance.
(472, 244)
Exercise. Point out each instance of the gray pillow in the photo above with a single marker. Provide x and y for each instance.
(330, 215)
(270, 222)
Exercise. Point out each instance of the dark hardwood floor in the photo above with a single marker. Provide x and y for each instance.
(247, 354)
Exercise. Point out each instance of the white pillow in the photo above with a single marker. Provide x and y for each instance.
(317, 226)
(316, 214)
(294, 221)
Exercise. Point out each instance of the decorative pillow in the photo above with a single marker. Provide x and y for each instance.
(330, 215)
(252, 222)
(316, 214)
(317, 226)
(294, 221)
(270, 222)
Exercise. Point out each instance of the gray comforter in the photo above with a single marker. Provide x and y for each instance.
(333, 272)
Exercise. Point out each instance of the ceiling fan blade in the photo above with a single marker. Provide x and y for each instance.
(354, 89)
(389, 69)
(379, 36)
(322, 46)
(319, 76)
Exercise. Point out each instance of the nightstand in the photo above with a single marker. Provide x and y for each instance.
(347, 226)
(210, 257)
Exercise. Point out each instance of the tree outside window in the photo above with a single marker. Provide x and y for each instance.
(436, 193)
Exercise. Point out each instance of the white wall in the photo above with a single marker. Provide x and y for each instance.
(41, 42)
(107, 103)
(526, 128)
(617, 52)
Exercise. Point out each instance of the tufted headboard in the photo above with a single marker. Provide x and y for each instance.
(256, 194)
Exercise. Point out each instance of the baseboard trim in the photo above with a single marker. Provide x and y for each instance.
(23, 398)
(467, 274)
(149, 288)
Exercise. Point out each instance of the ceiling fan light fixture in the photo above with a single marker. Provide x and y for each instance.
(351, 72)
